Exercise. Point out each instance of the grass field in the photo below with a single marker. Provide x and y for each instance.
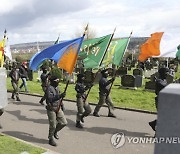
(127, 98)
(9, 145)
(138, 99)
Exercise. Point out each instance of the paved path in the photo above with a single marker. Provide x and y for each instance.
(27, 120)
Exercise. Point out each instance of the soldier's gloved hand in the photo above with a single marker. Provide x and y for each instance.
(112, 80)
(57, 97)
(63, 95)
(90, 85)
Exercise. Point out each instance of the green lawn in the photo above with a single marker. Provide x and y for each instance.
(138, 99)
(9, 145)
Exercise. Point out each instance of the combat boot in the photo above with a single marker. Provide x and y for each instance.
(41, 102)
(152, 124)
(12, 97)
(78, 124)
(52, 142)
(111, 115)
(56, 136)
(96, 114)
(82, 118)
(17, 99)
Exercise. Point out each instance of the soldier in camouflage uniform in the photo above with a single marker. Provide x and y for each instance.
(104, 86)
(15, 75)
(56, 116)
(161, 82)
(83, 108)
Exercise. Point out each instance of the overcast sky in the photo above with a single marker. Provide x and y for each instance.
(43, 20)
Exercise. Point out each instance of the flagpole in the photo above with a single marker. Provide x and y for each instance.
(101, 62)
(114, 74)
(127, 44)
(60, 101)
(86, 29)
(107, 47)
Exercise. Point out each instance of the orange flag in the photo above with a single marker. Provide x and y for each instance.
(68, 60)
(151, 47)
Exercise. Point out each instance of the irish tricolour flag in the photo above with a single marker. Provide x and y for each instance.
(160, 44)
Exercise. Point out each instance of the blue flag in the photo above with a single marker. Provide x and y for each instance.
(57, 52)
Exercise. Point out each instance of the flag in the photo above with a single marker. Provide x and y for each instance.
(160, 44)
(64, 53)
(115, 52)
(69, 56)
(7, 50)
(2, 52)
(168, 45)
(178, 52)
(151, 47)
(93, 51)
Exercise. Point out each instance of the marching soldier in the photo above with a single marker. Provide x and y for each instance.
(55, 114)
(14, 74)
(83, 108)
(161, 82)
(104, 86)
(45, 82)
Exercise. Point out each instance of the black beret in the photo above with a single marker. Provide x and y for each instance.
(104, 71)
(163, 70)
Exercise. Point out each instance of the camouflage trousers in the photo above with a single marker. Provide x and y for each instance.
(56, 121)
(15, 89)
(102, 100)
(83, 109)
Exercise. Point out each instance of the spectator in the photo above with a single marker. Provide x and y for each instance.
(24, 76)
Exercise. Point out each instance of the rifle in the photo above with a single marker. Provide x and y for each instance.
(60, 101)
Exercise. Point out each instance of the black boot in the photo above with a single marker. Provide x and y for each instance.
(12, 97)
(111, 115)
(17, 99)
(153, 125)
(56, 136)
(52, 142)
(78, 124)
(82, 118)
(96, 114)
(41, 102)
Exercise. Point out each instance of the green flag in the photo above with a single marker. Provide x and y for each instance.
(115, 52)
(178, 52)
(93, 50)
